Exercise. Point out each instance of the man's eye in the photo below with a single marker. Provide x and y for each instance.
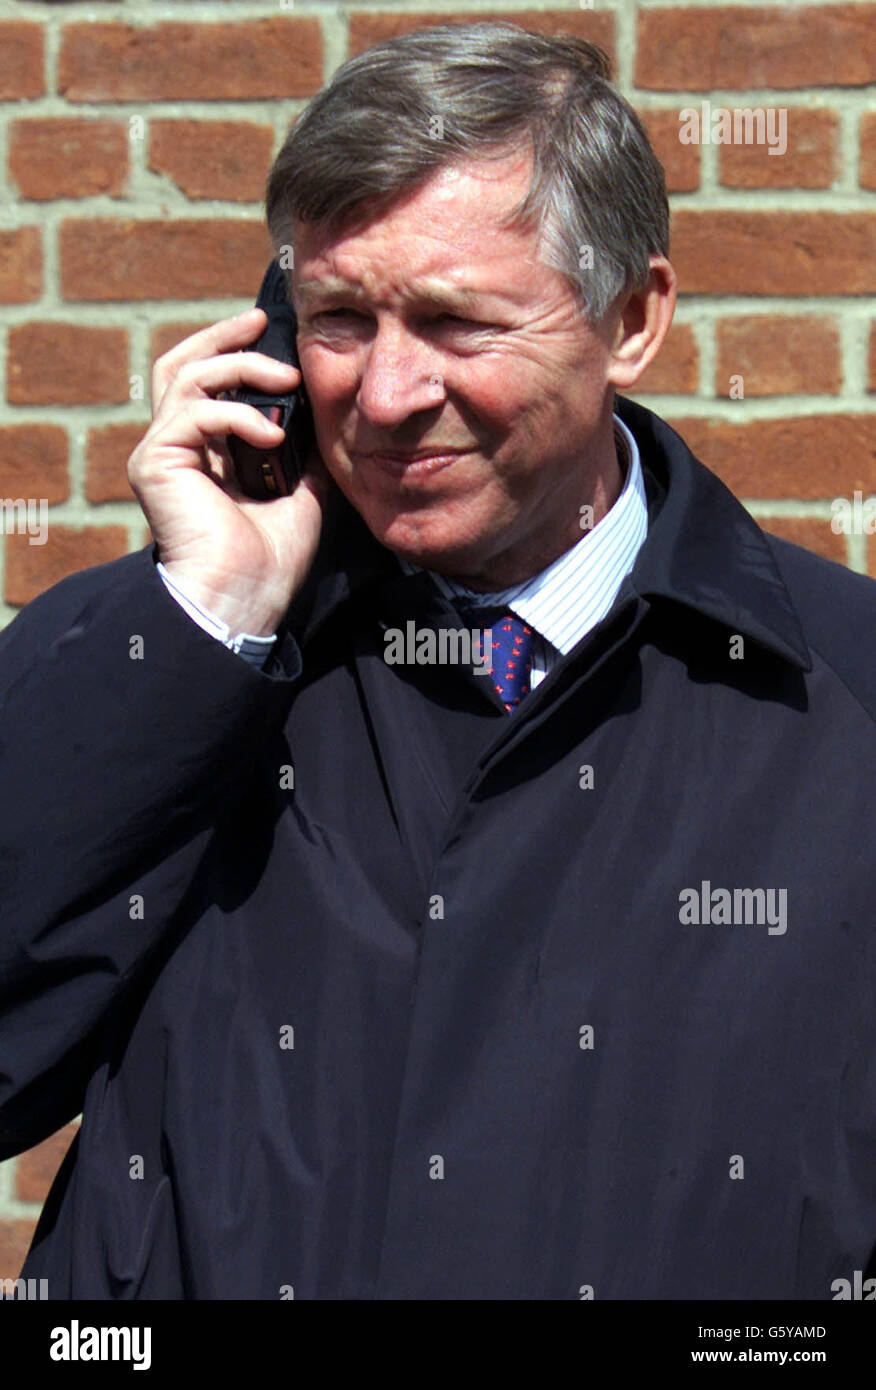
(449, 321)
(456, 321)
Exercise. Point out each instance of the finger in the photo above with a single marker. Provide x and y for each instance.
(214, 374)
(223, 336)
(180, 441)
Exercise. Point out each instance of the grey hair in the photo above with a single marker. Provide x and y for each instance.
(394, 115)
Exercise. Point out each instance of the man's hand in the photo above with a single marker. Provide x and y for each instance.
(244, 560)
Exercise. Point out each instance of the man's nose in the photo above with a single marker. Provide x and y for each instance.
(400, 376)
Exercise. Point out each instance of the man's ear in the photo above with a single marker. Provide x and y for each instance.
(641, 323)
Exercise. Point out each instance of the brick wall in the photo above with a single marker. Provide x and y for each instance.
(134, 143)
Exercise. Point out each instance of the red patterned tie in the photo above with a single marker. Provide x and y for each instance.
(512, 650)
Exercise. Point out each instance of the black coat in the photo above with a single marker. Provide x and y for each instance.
(440, 910)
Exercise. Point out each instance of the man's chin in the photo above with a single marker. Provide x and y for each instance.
(433, 533)
(433, 546)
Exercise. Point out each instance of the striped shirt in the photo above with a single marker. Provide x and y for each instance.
(567, 599)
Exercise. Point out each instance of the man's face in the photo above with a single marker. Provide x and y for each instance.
(459, 396)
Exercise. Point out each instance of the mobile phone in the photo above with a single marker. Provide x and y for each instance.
(266, 473)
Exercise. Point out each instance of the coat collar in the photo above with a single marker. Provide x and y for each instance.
(703, 550)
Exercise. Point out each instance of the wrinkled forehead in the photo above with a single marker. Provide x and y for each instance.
(454, 236)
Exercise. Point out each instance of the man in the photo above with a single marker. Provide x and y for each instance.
(386, 978)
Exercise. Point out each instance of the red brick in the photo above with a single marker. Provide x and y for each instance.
(15, 1238)
(675, 368)
(35, 1170)
(810, 160)
(810, 532)
(780, 47)
(808, 253)
(105, 259)
(232, 60)
(167, 335)
(21, 265)
(33, 462)
(107, 451)
(32, 568)
(597, 26)
(868, 150)
(680, 162)
(67, 364)
(22, 66)
(213, 159)
(63, 158)
(778, 355)
(871, 556)
(810, 456)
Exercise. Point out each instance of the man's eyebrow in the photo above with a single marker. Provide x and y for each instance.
(438, 295)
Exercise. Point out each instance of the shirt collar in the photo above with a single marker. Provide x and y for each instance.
(572, 594)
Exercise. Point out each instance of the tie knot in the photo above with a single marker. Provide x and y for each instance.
(512, 648)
